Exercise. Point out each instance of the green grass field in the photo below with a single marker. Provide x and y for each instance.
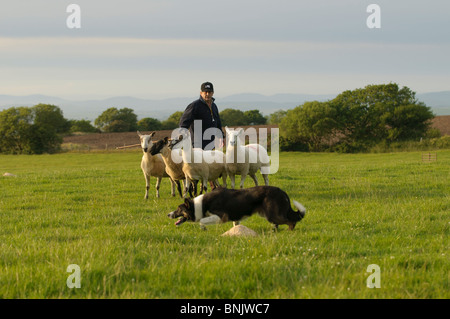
(391, 210)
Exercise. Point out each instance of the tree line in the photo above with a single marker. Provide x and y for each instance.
(357, 120)
(351, 122)
(40, 129)
(124, 120)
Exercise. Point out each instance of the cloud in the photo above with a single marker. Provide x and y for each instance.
(182, 54)
(142, 47)
(283, 20)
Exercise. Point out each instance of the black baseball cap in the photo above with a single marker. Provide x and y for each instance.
(207, 87)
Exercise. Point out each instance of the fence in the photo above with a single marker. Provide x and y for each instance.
(429, 157)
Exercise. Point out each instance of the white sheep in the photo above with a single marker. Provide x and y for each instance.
(153, 165)
(201, 165)
(245, 160)
(173, 160)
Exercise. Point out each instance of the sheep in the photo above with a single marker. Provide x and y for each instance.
(153, 165)
(245, 160)
(174, 168)
(200, 165)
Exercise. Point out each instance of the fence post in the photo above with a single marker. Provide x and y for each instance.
(429, 157)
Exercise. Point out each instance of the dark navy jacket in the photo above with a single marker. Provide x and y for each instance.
(199, 110)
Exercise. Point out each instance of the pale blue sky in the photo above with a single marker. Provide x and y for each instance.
(162, 49)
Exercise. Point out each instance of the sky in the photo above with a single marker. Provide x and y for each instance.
(165, 49)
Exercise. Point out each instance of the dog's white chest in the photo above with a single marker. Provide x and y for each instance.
(198, 207)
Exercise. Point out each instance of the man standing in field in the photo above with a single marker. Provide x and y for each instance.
(202, 116)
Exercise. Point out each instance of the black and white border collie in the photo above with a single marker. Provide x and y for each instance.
(223, 205)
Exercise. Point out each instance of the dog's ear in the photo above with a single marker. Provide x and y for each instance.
(166, 139)
(188, 203)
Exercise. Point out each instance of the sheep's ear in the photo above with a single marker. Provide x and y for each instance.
(240, 131)
(227, 129)
(139, 133)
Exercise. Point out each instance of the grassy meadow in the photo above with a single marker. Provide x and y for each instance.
(88, 209)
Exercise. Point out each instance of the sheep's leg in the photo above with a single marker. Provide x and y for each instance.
(179, 188)
(158, 182)
(194, 186)
(187, 182)
(204, 185)
(201, 187)
(243, 176)
(244, 173)
(172, 184)
(266, 179)
(224, 180)
(253, 176)
(147, 185)
(232, 176)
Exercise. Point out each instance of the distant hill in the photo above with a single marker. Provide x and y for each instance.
(91, 109)
(438, 101)
(161, 109)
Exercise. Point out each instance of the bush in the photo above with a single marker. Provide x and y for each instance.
(312, 124)
(34, 130)
(232, 117)
(254, 117)
(84, 126)
(288, 145)
(149, 124)
(172, 121)
(356, 121)
(114, 120)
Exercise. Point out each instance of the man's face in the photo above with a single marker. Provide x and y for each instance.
(207, 96)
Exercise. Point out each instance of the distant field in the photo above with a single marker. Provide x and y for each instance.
(109, 141)
(392, 210)
(442, 123)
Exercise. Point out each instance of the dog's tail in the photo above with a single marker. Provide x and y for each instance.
(300, 207)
